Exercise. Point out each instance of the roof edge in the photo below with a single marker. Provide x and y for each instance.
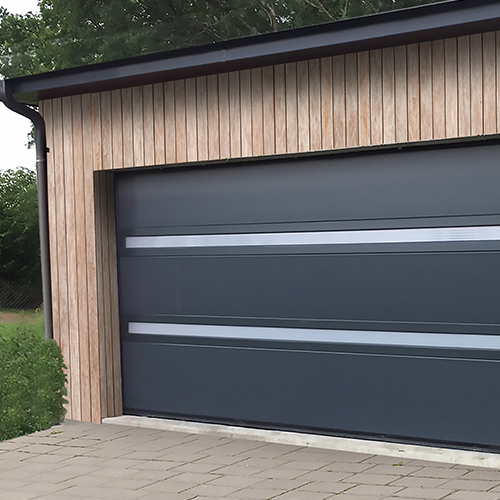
(441, 20)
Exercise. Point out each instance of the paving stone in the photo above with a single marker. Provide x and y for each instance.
(426, 493)
(304, 495)
(420, 482)
(280, 484)
(486, 474)
(478, 495)
(471, 485)
(212, 490)
(373, 490)
(439, 472)
(18, 495)
(393, 470)
(329, 487)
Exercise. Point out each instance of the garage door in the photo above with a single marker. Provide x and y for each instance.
(353, 294)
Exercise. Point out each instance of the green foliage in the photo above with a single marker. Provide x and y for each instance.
(69, 33)
(19, 235)
(32, 382)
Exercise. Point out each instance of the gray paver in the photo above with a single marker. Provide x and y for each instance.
(107, 462)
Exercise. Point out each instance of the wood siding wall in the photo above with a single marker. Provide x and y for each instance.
(433, 90)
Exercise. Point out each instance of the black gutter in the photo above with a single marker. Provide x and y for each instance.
(441, 20)
(43, 213)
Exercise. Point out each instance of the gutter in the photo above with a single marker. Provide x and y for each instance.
(43, 212)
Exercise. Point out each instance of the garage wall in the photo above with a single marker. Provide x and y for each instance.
(433, 90)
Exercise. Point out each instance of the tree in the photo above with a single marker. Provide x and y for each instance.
(19, 237)
(69, 33)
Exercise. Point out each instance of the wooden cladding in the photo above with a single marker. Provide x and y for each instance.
(432, 90)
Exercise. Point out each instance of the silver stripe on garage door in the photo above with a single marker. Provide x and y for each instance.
(407, 339)
(419, 235)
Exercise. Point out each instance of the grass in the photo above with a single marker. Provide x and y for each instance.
(11, 320)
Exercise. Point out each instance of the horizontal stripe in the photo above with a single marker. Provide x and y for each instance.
(407, 339)
(386, 236)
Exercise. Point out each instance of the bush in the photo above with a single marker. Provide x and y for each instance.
(32, 382)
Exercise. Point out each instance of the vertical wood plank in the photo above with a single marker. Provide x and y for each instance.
(246, 113)
(413, 92)
(149, 125)
(326, 103)
(202, 117)
(114, 332)
(339, 102)
(127, 126)
(107, 333)
(426, 126)
(268, 107)
(476, 71)
(213, 117)
(376, 111)
(170, 121)
(138, 126)
(159, 123)
(303, 125)
(438, 90)
(180, 121)
(257, 112)
(351, 103)
(315, 104)
(51, 194)
(81, 258)
(62, 261)
(97, 155)
(464, 125)
(235, 113)
(191, 120)
(388, 95)
(401, 94)
(91, 264)
(451, 86)
(291, 107)
(364, 98)
(224, 123)
(106, 134)
(280, 108)
(117, 129)
(69, 186)
(489, 83)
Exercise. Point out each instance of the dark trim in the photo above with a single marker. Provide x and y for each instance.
(43, 204)
(441, 20)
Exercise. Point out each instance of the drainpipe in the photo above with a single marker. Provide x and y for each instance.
(43, 212)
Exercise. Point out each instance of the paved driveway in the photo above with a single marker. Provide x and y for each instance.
(89, 461)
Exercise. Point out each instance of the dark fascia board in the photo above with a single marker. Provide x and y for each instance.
(441, 20)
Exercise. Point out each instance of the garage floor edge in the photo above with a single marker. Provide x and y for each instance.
(434, 454)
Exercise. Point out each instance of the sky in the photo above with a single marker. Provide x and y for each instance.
(14, 128)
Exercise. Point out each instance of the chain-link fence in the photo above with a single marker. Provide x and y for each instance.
(25, 296)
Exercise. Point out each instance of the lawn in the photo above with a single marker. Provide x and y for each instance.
(11, 320)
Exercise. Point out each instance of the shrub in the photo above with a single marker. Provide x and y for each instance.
(32, 382)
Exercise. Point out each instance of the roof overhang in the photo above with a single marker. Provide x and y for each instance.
(435, 21)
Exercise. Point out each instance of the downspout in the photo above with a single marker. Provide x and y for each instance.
(43, 211)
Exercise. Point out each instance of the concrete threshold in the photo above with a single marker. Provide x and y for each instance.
(414, 452)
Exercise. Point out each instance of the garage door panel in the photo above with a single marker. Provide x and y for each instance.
(433, 183)
(407, 288)
(352, 294)
(343, 392)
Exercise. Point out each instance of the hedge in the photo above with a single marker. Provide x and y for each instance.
(32, 382)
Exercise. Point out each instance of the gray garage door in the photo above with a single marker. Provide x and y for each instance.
(353, 294)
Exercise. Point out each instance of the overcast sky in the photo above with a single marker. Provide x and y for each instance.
(13, 127)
